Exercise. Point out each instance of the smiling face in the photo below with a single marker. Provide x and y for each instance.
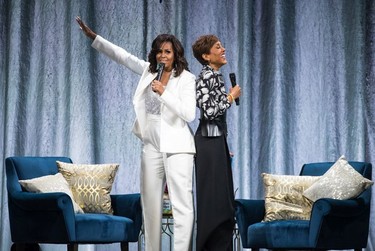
(216, 57)
(166, 55)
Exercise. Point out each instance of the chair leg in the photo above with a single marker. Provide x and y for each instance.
(72, 247)
(124, 246)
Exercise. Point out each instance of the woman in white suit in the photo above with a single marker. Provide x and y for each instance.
(163, 109)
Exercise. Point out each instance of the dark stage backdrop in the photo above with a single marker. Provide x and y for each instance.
(306, 69)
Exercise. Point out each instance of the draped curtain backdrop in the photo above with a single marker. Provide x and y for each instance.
(306, 69)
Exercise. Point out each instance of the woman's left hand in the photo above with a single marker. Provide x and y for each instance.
(88, 32)
(157, 87)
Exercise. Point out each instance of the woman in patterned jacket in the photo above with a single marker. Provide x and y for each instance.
(214, 184)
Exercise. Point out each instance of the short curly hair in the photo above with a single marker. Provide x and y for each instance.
(202, 46)
(180, 63)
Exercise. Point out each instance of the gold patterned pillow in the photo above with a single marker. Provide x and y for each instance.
(284, 199)
(341, 182)
(50, 184)
(90, 184)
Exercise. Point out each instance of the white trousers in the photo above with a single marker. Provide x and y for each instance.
(177, 170)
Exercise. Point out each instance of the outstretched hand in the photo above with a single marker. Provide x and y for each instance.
(88, 32)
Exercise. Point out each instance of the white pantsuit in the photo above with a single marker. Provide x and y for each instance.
(178, 173)
(168, 148)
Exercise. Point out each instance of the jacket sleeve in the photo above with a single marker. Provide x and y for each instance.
(211, 95)
(119, 55)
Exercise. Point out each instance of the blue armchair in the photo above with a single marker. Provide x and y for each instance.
(334, 224)
(50, 218)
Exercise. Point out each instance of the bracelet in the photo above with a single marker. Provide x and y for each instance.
(231, 96)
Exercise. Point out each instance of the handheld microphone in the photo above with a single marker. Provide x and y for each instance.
(232, 77)
(160, 68)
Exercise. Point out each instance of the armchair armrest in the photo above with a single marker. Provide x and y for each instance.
(43, 202)
(129, 205)
(338, 208)
(247, 213)
(340, 217)
(34, 208)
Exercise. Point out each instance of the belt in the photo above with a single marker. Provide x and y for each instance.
(213, 127)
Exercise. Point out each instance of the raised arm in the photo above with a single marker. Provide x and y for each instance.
(113, 51)
(86, 30)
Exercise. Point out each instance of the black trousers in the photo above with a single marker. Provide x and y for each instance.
(215, 194)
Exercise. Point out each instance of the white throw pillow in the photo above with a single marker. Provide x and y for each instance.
(50, 184)
(340, 182)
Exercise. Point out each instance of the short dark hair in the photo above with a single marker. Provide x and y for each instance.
(202, 46)
(180, 63)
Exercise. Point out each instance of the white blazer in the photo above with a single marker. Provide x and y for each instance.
(177, 101)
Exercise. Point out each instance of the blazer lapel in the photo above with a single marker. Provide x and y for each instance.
(144, 83)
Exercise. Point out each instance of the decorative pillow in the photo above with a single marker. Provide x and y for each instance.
(284, 199)
(50, 184)
(340, 182)
(91, 185)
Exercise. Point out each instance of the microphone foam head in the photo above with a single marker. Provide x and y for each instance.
(160, 66)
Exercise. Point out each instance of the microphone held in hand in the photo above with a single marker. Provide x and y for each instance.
(160, 68)
(232, 77)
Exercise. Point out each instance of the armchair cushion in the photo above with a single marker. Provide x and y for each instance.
(49, 184)
(90, 184)
(284, 199)
(112, 226)
(340, 182)
(280, 234)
